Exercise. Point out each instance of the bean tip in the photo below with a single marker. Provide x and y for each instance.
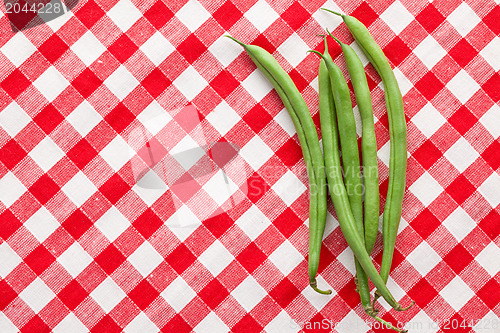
(317, 52)
(333, 12)
(236, 40)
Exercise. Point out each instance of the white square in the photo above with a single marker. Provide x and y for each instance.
(261, 15)
(346, 258)
(429, 51)
(42, 224)
(6, 326)
(225, 50)
(211, 323)
(116, 153)
(154, 118)
(428, 120)
(289, 187)
(84, 118)
(490, 53)
(318, 300)
(192, 15)
(11, 189)
(56, 23)
(459, 224)
(456, 293)
(489, 189)
(108, 294)
(13, 118)
(51, 83)
(190, 83)
(490, 121)
(37, 295)
(404, 84)
(121, 82)
(257, 85)
(46, 154)
(384, 153)
(9, 260)
(157, 48)
(70, 323)
(283, 119)
(75, 259)
(220, 187)
(88, 48)
(352, 320)
(423, 258)
(112, 224)
(294, 49)
(145, 259)
(79, 189)
(223, 118)
(461, 154)
(150, 195)
(256, 152)
(487, 323)
(187, 153)
(249, 293)
(183, 222)
(141, 323)
(326, 19)
(423, 322)
(124, 14)
(178, 294)
(18, 49)
(464, 19)
(463, 86)
(216, 258)
(488, 259)
(283, 323)
(397, 17)
(286, 258)
(426, 189)
(253, 222)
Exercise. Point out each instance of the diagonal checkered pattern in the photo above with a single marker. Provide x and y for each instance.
(85, 248)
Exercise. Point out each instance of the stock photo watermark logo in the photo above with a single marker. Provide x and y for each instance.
(171, 157)
(26, 14)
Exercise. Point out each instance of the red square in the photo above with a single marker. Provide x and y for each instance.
(490, 224)
(15, 83)
(218, 224)
(247, 324)
(257, 118)
(224, 83)
(263, 42)
(251, 257)
(463, 52)
(422, 293)
(427, 154)
(287, 222)
(458, 258)
(298, 79)
(48, 119)
(72, 295)
(122, 48)
(89, 14)
(39, 259)
(462, 120)
(430, 18)
(397, 51)
(491, 155)
(110, 259)
(8, 224)
(489, 293)
(114, 188)
(492, 20)
(119, 118)
(295, 16)
(177, 324)
(53, 48)
(156, 82)
(425, 223)
(77, 224)
(213, 294)
(429, 85)
(349, 295)
(365, 14)
(158, 15)
(290, 153)
(106, 325)
(491, 87)
(147, 223)
(143, 294)
(460, 189)
(257, 187)
(7, 294)
(284, 293)
(36, 324)
(44, 189)
(191, 48)
(180, 258)
(11, 154)
(86, 83)
(82, 153)
(227, 15)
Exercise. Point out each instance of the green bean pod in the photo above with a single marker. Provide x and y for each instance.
(309, 142)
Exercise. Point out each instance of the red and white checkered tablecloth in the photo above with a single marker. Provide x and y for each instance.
(113, 91)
